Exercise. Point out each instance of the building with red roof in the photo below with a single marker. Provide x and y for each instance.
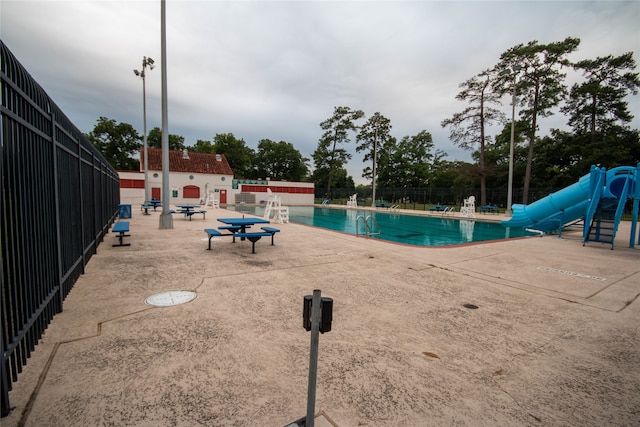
(196, 177)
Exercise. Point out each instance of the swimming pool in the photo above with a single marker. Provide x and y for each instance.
(418, 230)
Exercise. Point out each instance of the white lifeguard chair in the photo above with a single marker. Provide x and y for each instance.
(212, 200)
(280, 213)
(353, 201)
(468, 208)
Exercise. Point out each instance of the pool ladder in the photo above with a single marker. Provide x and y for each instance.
(370, 225)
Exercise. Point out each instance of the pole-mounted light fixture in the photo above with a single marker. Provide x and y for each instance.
(146, 63)
(514, 72)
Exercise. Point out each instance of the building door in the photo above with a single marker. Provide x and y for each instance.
(155, 193)
(223, 197)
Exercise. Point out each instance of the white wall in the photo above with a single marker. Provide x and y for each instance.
(206, 182)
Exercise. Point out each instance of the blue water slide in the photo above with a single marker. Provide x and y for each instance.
(563, 206)
(578, 200)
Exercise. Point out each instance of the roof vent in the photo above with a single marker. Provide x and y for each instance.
(185, 154)
(218, 157)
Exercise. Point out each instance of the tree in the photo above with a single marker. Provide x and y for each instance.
(599, 117)
(497, 156)
(566, 156)
(373, 134)
(340, 178)
(538, 84)
(329, 156)
(240, 157)
(407, 163)
(118, 143)
(468, 126)
(154, 140)
(598, 104)
(280, 160)
(203, 146)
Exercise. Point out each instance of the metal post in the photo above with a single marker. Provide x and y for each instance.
(509, 211)
(373, 181)
(313, 357)
(166, 219)
(146, 63)
(144, 139)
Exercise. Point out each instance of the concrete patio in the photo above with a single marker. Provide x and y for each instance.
(555, 339)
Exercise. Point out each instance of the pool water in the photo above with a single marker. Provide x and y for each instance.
(419, 230)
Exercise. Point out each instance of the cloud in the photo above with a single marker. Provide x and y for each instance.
(276, 69)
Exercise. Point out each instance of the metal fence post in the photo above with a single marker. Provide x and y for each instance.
(313, 357)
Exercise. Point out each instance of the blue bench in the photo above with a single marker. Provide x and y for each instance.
(489, 209)
(191, 213)
(121, 227)
(382, 205)
(253, 238)
(271, 230)
(233, 229)
(212, 232)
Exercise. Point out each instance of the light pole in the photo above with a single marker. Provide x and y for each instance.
(166, 219)
(373, 181)
(146, 62)
(514, 72)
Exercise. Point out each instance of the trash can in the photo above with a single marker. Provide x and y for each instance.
(124, 211)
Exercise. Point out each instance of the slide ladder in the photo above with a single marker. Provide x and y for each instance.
(603, 223)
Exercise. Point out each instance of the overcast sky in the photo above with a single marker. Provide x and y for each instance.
(276, 69)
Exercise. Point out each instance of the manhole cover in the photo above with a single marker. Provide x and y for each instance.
(167, 299)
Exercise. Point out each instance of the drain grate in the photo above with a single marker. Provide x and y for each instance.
(170, 298)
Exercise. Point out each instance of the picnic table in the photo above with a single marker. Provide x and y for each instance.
(243, 223)
(438, 208)
(190, 210)
(154, 203)
(238, 228)
(489, 209)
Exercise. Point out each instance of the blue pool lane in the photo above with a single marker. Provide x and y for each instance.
(418, 230)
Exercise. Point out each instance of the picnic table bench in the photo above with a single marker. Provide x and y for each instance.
(212, 232)
(489, 209)
(191, 213)
(121, 227)
(233, 229)
(253, 237)
(271, 230)
(439, 208)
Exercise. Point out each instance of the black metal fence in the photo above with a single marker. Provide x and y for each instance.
(421, 198)
(59, 198)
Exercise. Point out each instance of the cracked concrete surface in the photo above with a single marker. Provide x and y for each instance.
(554, 340)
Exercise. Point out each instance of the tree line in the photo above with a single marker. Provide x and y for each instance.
(532, 76)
